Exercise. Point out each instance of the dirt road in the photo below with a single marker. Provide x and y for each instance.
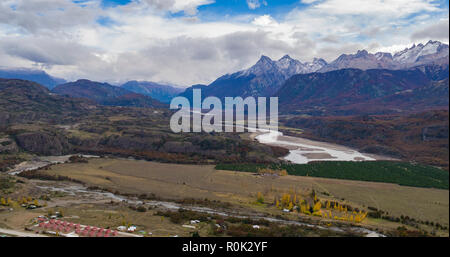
(19, 233)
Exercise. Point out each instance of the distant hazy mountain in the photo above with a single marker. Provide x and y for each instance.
(348, 91)
(37, 76)
(105, 94)
(262, 79)
(162, 93)
(432, 53)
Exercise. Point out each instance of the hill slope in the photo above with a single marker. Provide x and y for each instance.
(420, 137)
(22, 100)
(105, 94)
(352, 91)
(37, 76)
(162, 93)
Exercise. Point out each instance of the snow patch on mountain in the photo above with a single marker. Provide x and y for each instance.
(433, 52)
(286, 66)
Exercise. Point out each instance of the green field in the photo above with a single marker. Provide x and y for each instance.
(401, 173)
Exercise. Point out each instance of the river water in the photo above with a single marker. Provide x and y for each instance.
(302, 151)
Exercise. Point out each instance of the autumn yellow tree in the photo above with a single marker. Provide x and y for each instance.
(285, 200)
(317, 206)
(290, 206)
(260, 198)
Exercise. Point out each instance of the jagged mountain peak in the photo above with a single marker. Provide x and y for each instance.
(264, 65)
(262, 79)
(362, 59)
(362, 53)
(288, 65)
(284, 58)
(320, 61)
(432, 51)
(264, 59)
(382, 54)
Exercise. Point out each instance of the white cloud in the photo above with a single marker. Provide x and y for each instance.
(363, 23)
(47, 15)
(308, 1)
(187, 6)
(254, 4)
(264, 20)
(435, 31)
(392, 8)
(143, 42)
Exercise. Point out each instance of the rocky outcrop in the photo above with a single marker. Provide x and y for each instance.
(8, 146)
(43, 143)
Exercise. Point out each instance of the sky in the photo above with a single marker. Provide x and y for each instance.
(186, 42)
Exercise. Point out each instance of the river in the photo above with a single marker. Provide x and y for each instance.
(83, 192)
(302, 151)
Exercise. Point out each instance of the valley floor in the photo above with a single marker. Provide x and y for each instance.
(227, 192)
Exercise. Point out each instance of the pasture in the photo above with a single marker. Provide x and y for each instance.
(174, 181)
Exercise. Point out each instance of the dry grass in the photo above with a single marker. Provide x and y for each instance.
(108, 216)
(18, 218)
(196, 181)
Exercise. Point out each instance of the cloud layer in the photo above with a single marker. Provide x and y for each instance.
(173, 41)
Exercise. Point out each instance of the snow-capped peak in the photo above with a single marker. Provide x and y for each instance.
(361, 53)
(420, 54)
(286, 63)
(264, 59)
(286, 66)
(319, 61)
(383, 55)
(284, 58)
(413, 54)
(263, 65)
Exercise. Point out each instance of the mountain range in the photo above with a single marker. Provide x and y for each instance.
(160, 92)
(267, 76)
(354, 91)
(353, 83)
(37, 76)
(381, 103)
(105, 94)
(433, 52)
(262, 79)
(22, 100)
